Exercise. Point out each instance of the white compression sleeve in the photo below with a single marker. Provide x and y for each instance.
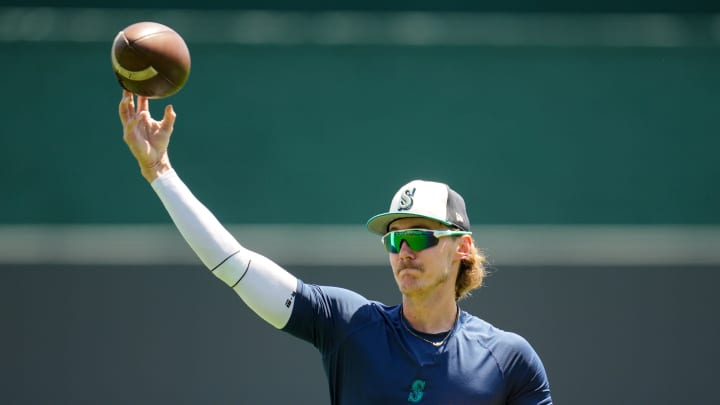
(266, 288)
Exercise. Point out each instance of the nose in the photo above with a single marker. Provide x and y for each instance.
(405, 250)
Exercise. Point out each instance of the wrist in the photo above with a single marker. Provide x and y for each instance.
(151, 173)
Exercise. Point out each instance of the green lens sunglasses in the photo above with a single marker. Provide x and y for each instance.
(417, 239)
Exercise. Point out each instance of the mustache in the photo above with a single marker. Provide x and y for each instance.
(409, 265)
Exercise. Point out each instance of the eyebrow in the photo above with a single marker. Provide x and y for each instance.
(416, 226)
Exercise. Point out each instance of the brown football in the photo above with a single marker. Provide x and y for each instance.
(150, 59)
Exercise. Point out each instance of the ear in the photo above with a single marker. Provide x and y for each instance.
(464, 248)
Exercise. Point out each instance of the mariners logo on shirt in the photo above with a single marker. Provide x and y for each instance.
(416, 391)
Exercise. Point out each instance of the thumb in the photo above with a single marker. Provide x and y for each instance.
(168, 121)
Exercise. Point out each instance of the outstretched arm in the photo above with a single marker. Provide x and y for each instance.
(264, 286)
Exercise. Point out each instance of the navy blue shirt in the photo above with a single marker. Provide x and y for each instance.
(370, 357)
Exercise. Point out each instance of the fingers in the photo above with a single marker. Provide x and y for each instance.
(131, 116)
(126, 107)
(143, 104)
(168, 120)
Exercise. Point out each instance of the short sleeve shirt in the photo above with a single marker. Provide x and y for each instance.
(370, 357)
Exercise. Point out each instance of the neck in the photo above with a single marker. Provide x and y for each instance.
(430, 317)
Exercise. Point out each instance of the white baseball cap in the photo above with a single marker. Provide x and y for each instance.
(423, 199)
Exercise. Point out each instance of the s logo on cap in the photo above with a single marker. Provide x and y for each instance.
(406, 200)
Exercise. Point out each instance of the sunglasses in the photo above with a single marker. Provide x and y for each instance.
(416, 239)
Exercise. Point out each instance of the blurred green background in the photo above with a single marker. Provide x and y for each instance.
(324, 134)
(584, 138)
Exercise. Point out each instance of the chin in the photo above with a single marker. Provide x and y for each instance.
(407, 285)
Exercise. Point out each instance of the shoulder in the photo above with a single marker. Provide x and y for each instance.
(323, 309)
(511, 351)
(335, 300)
(518, 362)
(492, 337)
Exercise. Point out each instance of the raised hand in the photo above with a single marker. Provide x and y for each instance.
(147, 138)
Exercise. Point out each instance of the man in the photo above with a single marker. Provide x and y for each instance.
(425, 350)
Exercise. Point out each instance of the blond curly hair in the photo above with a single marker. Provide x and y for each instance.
(471, 274)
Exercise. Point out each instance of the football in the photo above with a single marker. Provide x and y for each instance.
(150, 59)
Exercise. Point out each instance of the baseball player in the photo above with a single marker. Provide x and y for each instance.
(424, 350)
